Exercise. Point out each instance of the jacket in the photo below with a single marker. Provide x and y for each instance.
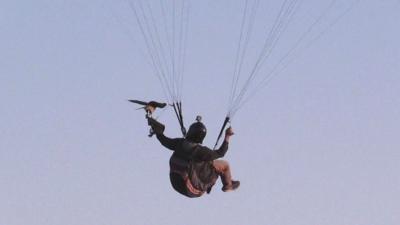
(191, 165)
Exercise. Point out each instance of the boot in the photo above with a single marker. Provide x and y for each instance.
(234, 185)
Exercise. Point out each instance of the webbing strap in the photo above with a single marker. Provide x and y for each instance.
(226, 121)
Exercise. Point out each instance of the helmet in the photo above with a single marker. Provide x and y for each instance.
(197, 131)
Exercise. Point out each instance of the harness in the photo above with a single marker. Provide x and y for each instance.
(183, 165)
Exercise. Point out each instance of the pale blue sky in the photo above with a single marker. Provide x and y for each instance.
(320, 145)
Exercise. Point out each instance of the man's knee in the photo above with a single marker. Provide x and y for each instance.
(221, 165)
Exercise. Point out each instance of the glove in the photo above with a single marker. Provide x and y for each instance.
(157, 127)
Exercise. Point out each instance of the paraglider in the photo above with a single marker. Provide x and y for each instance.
(195, 168)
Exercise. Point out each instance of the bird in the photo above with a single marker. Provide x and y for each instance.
(149, 107)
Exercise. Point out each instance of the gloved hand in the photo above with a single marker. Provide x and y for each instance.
(157, 127)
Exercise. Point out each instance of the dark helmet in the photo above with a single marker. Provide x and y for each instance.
(197, 131)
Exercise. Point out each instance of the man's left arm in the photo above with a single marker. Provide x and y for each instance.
(170, 143)
(158, 129)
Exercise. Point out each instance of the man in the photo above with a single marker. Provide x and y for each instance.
(194, 168)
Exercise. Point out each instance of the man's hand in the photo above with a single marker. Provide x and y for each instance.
(228, 133)
(157, 127)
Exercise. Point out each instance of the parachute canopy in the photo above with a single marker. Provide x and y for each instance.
(294, 26)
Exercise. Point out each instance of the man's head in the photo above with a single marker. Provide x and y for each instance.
(197, 131)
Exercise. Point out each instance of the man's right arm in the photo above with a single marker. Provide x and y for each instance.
(206, 154)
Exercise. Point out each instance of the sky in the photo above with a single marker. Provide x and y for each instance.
(319, 145)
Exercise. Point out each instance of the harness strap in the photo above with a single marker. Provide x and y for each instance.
(226, 121)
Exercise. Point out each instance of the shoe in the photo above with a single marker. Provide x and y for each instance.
(235, 184)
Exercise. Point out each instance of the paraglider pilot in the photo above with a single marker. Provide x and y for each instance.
(195, 168)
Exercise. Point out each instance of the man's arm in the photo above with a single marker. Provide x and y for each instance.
(206, 154)
(170, 143)
(158, 129)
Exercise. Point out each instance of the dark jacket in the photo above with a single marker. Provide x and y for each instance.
(191, 165)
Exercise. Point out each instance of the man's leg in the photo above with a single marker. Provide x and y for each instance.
(223, 169)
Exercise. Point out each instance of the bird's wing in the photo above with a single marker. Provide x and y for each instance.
(138, 102)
